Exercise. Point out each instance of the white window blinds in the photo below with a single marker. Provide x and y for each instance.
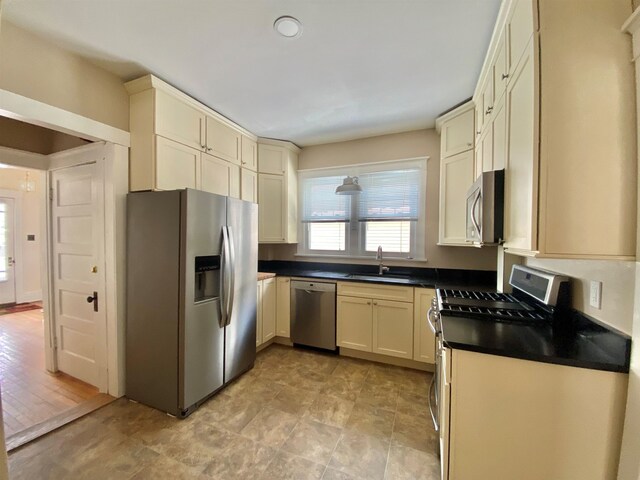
(390, 195)
(320, 202)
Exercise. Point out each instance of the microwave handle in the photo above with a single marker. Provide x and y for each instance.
(474, 220)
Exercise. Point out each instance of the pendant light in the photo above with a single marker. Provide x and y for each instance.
(349, 186)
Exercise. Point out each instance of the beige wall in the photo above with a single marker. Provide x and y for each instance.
(10, 179)
(31, 138)
(398, 146)
(618, 283)
(38, 69)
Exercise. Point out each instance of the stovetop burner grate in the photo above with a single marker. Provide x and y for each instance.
(495, 313)
(472, 295)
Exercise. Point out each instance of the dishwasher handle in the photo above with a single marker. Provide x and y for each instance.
(313, 287)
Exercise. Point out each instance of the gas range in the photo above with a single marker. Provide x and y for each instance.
(536, 297)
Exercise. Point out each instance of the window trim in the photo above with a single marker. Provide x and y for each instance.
(356, 243)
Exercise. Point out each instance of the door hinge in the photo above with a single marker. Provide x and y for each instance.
(51, 193)
(55, 343)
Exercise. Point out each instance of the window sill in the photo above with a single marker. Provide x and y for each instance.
(352, 257)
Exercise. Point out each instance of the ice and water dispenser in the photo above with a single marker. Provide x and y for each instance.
(207, 281)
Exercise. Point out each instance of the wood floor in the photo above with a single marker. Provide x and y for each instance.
(31, 395)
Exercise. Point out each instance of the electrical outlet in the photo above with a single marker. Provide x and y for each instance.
(595, 296)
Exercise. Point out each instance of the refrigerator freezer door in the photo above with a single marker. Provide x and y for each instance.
(201, 336)
(240, 335)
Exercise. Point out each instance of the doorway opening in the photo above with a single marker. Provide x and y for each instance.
(39, 392)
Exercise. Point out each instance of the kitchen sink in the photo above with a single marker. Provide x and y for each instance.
(389, 277)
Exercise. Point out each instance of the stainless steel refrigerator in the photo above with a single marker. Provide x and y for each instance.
(191, 296)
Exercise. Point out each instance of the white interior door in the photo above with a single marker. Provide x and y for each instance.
(77, 218)
(7, 254)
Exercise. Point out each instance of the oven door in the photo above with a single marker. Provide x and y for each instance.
(434, 387)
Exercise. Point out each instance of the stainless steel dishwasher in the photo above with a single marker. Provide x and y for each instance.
(313, 314)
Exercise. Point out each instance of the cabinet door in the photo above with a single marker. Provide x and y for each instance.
(219, 176)
(519, 29)
(259, 316)
(177, 166)
(249, 154)
(269, 299)
(423, 337)
(223, 141)
(487, 98)
(179, 121)
(271, 208)
(499, 136)
(487, 149)
(457, 134)
(283, 320)
(393, 328)
(521, 174)
(354, 327)
(248, 185)
(456, 176)
(500, 73)
(272, 159)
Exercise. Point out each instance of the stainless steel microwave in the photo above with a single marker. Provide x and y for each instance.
(485, 209)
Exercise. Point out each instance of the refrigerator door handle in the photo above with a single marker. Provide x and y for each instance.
(232, 274)
(224, 261)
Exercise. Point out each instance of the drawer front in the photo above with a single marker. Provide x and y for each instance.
(382, 292)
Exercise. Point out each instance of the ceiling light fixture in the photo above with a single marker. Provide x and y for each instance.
(349, 186)
(288, 26)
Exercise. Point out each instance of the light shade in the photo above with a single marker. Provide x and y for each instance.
(349, 187)
(288, 27)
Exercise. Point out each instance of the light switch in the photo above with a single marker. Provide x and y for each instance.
(595, 296)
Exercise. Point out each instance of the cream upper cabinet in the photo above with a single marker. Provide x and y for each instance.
(393, 328)
(277, 192)
(354, 327)
(457, 133)
(456, 177)
(177, 166)
(283, 320)
(269, 308)
(223, 141)
(566, 109)
(518, 419)
(521, 174)
(159, 111)
(248, 185)
(249, 153)
(179, 121)
(423, 337)
(219, 176)
(500, 72)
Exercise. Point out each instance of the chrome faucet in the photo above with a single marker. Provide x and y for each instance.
(381, 267)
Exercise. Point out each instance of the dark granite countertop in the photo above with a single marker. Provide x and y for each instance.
(415, 277)
(581, 342)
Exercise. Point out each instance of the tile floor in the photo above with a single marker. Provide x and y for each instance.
(297, 415)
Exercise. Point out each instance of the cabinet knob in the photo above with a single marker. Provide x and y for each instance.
(375, 303)
(209, 149)
(204, 147)
(489, 110)
(469, 143)
(478, 132)
(505, 76)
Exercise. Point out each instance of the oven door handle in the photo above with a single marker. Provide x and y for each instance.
(431, 324)
(474, 220)
(431, 409)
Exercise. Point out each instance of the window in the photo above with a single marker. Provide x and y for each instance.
(388, 213)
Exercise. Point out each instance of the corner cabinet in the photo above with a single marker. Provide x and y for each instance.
(283, 310)
(176, 142)
(566, 139)
(456, 173)
(423, 337)
(277, 191)
(266, 314)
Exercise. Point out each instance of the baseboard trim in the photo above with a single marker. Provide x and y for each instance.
(25, 436)
(399, 362)
(283, 341)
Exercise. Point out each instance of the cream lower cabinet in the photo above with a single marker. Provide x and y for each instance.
(283, 307)
(354, 317)
(266, 314)
(375, 318)
(423, 337)
(519, 419)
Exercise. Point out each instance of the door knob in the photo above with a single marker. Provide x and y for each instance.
(93, 299)
(10, 261)
(94, 269)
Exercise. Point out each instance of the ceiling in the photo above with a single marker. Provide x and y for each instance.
(361, 67)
